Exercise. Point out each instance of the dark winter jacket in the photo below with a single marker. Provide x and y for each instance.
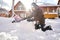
(38, 14)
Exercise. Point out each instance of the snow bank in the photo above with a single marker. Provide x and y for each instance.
(7, 36)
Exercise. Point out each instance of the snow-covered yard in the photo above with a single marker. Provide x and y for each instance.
(25, 30)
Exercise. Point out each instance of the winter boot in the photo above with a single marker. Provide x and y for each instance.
(43, 29)
(48, 28)
(37, 26)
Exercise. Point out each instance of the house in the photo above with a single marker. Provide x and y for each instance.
(18, 9)
(49, 10)
(3, 12)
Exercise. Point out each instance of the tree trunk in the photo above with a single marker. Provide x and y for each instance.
(13, 8)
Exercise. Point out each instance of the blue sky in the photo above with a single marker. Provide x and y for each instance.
(26, 2)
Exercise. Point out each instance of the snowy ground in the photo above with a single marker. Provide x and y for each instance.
(25, 30)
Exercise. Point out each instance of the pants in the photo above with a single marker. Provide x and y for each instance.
(38, 25)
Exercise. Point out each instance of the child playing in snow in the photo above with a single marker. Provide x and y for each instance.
(17, 18)
(38, 15)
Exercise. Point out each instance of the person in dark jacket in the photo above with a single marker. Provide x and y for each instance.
(38, 15)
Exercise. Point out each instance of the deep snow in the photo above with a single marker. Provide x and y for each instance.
(25, 30)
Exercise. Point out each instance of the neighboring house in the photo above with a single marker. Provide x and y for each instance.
(3, 12)
(47, 7)
(18, 8)
(49, 10)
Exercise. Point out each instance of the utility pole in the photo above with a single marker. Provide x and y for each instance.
(13, 8)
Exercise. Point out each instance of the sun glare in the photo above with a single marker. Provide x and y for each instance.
(27, 4)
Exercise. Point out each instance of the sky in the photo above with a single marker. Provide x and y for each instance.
(25, 2)
(50, 1)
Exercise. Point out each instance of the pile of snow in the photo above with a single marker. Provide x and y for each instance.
(7, 36)
(25, 30)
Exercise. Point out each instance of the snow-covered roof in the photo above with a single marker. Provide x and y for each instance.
(3, 11)
(46, 4)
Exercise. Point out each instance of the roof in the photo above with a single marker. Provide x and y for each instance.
(47, 4)
(16, 4)
(3, 10)
(19, 2)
